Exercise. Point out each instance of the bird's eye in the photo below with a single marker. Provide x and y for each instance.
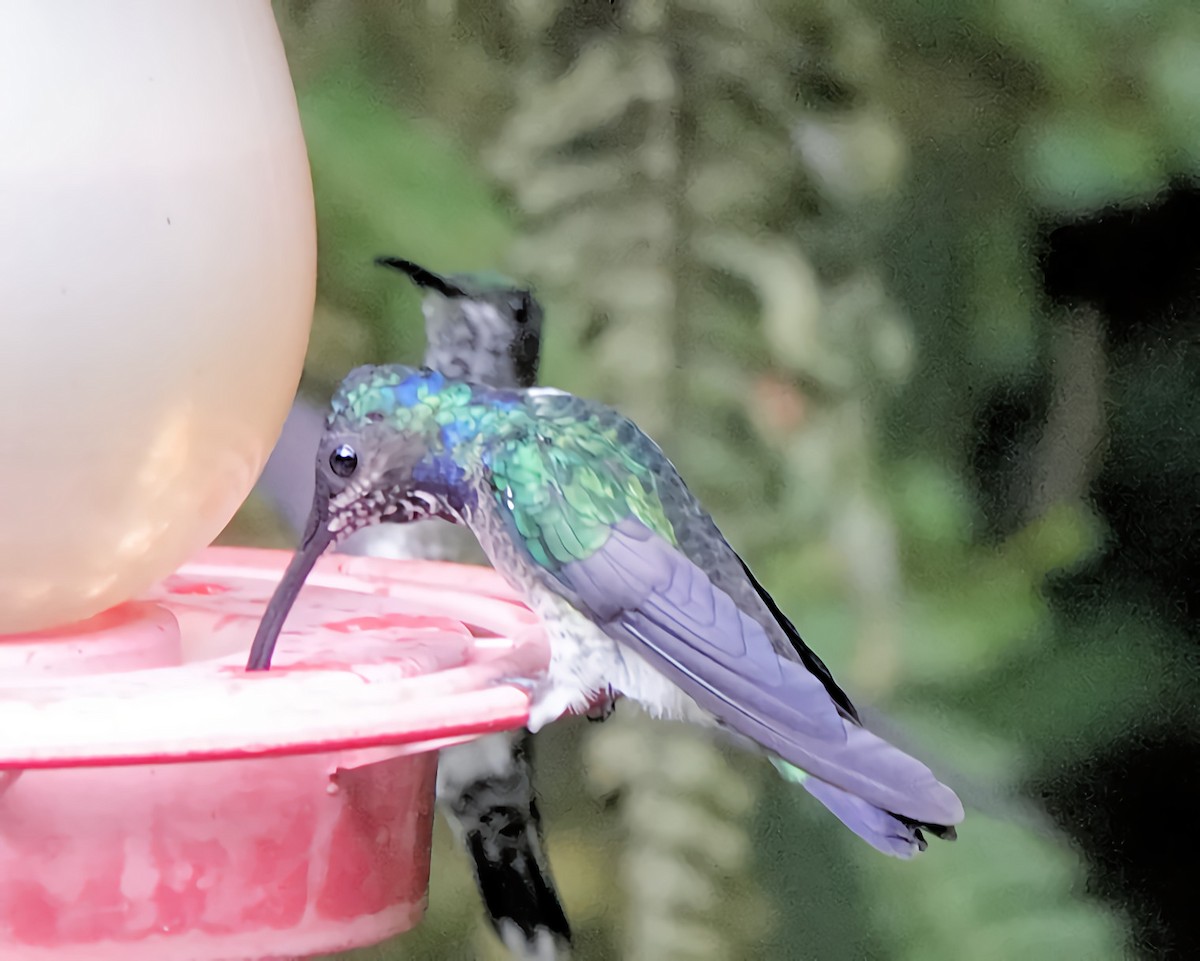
(343, 461)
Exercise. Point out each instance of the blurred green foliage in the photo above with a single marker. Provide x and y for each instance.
(795, 240)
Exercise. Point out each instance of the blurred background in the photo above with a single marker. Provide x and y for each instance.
(908, 292)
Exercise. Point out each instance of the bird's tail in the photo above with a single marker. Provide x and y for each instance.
(883, 830)
(485, 789)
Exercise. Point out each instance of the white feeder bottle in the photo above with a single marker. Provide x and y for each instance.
(157, 264)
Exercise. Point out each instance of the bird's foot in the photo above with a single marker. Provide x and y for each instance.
(549, 701)
(602, 706)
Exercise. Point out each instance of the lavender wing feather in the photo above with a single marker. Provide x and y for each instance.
(651, 596)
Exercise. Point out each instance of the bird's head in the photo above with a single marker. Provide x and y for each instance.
(480, 326)
(390, 452)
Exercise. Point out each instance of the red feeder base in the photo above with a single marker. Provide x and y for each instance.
(157, 802)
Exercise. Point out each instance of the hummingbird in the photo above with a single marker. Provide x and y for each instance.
(640, 594)
(486, 328)
(480, 327)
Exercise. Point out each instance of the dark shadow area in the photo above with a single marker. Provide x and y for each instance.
(1140, 268)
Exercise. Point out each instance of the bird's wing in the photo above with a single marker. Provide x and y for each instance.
(585, 509)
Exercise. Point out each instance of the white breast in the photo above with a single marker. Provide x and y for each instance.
(585, 662)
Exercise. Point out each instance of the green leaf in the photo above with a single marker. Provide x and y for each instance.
(385, 184)
(1173, 80)
(989, 613)
(931, 505)
(1081, 159)
(999, 892)
(1104, 677)
(1061, 538)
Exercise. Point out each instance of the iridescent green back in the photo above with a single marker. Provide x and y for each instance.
(579, 470)
(565, 470)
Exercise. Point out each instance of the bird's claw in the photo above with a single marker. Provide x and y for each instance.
(601, 709)
(548, 704)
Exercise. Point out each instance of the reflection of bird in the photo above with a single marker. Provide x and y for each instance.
(639, 592)
(483, 328)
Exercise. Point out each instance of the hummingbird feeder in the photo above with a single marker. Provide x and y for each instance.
(157, 233)
(159, 802)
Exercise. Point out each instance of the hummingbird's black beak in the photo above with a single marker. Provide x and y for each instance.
(316, 538)
(425, 279)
